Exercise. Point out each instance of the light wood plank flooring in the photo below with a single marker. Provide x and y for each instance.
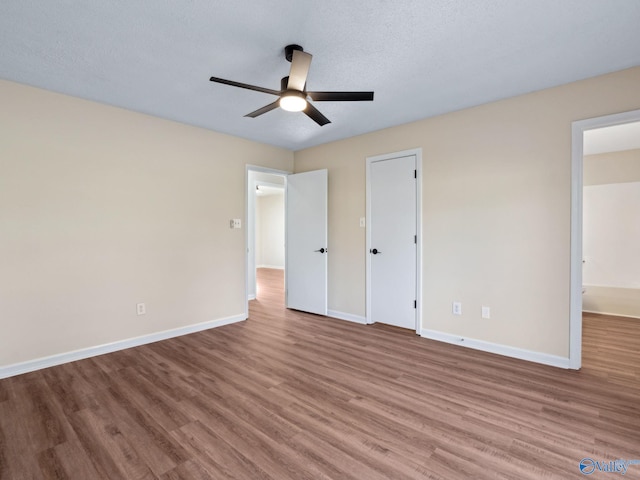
(288, 395)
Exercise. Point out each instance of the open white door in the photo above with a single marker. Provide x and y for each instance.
(306, 242)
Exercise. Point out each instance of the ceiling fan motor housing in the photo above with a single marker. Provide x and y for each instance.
(289, 49)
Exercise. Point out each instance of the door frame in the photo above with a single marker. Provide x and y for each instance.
(577, 142)
(388, 156)
(257, 169)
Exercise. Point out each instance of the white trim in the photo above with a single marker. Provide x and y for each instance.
(60, 358)
(367, 247)
(504, 350)
(611, 314)
(349, 317)
(275, 267)
(575, 276)
(614, 287)
(251, 297)
(417, 152)
(577, 139)
(419, 241)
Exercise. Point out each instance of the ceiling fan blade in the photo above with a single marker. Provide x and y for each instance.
(314, 114)
(300, 63)
(265, 109)
(244, 85)
(341, 96)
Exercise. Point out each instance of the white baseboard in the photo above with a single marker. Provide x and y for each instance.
(610, 314)
(276, 267)
(59, 359)
(251, 297)
(505, 350)
(347, 316)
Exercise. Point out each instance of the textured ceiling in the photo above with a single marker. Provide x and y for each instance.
(421, 57)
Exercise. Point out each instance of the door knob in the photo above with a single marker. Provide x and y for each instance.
(322, 250)
(375, 251)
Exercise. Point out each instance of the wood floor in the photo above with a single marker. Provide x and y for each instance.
(287, 395)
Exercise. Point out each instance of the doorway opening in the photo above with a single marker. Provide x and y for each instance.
(605, 189)
(304, 218)
(265, 232)
(269, 232)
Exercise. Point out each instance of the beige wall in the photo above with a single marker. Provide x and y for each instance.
(612, 301)
(496, 211)
(270, 231)
(102, 208)
(612, 167)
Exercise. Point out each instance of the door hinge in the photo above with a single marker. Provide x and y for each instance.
(415, 174)
(415, 239)
(415, 304)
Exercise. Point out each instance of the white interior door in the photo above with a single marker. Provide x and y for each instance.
(392, 237)
(306, 242)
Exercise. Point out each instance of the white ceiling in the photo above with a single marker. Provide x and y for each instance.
(267, 191)
(612, 139)
(422, 58)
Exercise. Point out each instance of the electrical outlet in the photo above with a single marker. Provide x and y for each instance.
(141, 308)
(362, 222)
(457, 308)
(486, 312)
(235, 223)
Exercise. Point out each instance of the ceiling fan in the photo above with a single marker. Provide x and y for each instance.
(292, 93)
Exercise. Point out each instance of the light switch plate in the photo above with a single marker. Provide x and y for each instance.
(456, 308)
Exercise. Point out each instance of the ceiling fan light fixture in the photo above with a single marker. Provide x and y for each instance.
(293, 93)
(293, 101)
